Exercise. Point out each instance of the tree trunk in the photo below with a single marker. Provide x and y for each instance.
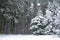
(7, 27)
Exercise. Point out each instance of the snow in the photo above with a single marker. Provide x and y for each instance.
(29, 37)
(38, 4)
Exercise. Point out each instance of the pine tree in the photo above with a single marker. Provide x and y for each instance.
(48, 23)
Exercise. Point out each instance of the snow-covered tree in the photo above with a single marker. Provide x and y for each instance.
(48, 23)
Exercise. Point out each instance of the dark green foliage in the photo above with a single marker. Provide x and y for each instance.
(16, 15)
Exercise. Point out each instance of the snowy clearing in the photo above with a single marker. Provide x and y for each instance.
(29, 37)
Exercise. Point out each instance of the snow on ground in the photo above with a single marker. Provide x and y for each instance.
(29, 37)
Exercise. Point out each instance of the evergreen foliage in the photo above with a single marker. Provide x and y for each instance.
(47, 21)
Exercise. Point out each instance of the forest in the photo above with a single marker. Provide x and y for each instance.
(30, 17)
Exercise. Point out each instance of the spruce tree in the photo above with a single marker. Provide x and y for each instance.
(47, 23)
